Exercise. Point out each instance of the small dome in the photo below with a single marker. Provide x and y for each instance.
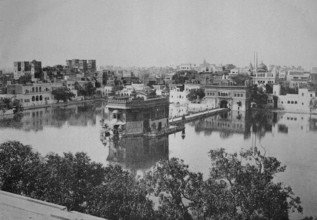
(262, 67)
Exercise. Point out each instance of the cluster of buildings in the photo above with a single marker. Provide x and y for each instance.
(32, 85)
(288, 88)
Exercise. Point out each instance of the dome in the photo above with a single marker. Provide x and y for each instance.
(262, 67)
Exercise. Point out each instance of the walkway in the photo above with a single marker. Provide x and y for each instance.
(198, 115)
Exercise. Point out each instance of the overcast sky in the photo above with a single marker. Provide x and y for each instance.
(159, 32)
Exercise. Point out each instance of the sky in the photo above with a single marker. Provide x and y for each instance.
(159, 32)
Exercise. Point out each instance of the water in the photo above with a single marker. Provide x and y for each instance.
(289, 137)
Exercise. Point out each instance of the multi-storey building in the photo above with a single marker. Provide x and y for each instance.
(82, 65)
(263, 76)
(33, 94)
(300, 102)
(21, 68)
(228, 96)
(140, 115)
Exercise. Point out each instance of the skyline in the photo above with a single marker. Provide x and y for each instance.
(159, 33)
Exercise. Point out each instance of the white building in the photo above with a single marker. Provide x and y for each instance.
(294, 102)
(179, 96)
(187, 66)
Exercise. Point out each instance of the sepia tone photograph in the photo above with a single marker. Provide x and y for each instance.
(158, 109)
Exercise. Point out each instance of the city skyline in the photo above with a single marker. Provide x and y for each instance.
(159, 33)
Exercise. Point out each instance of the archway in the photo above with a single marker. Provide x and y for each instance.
(224, 104)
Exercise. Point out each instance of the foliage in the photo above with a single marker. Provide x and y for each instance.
(74, 181)
(177, 188)
(120, 197)
(19, 167)
(7, 104)
(90, 89)
(180, 77)
(248, 178)
(69, 180)
(240, 79)
(194, 94)
(87, 89)
(229, 67)
(27, 78)
(62, 93)
(258, 96)
(240, 186)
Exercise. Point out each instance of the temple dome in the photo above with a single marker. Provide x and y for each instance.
(262, 67)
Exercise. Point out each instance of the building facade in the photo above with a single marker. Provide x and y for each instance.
(300, 102)
(82, 65)
(21, 68)
(138, 115)
(33, 94)
(236, 98)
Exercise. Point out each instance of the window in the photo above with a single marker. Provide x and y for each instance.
(292, 102)
(33, 98)
(41, 98)
(302, 94)
(295, 102)
(288, 102)
(311, 95)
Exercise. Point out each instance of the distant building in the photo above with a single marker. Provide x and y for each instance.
(187, 66)
(227, 96)
(82, 65)
(294, 102)
(263, 76)
(21, 68)
(297, 78)
(33, 94)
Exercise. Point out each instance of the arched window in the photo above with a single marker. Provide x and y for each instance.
(37, 98)
(41, 98)
(33, 98)
(37, 89)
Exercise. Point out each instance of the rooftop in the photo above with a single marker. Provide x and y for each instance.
(16, 207)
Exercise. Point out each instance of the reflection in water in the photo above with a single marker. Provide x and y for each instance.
(227, 123)
(37, 119)
(136, 152)
(258, 122)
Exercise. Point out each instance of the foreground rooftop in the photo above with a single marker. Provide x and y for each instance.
(16, 207)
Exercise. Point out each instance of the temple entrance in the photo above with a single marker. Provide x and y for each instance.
(224, 104)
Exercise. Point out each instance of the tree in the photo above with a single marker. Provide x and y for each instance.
(178, 189)
(19, 167)
(258, 96)
(69, 180)
(249, 190)
(196, 94)
(62, 93)
(120, 197)
(240, 79)
(8, 103)
(90, 89)
(27, 78)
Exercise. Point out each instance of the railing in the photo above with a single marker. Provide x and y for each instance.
(138, 102)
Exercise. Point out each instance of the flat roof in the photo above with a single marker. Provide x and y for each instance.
(16, 207)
